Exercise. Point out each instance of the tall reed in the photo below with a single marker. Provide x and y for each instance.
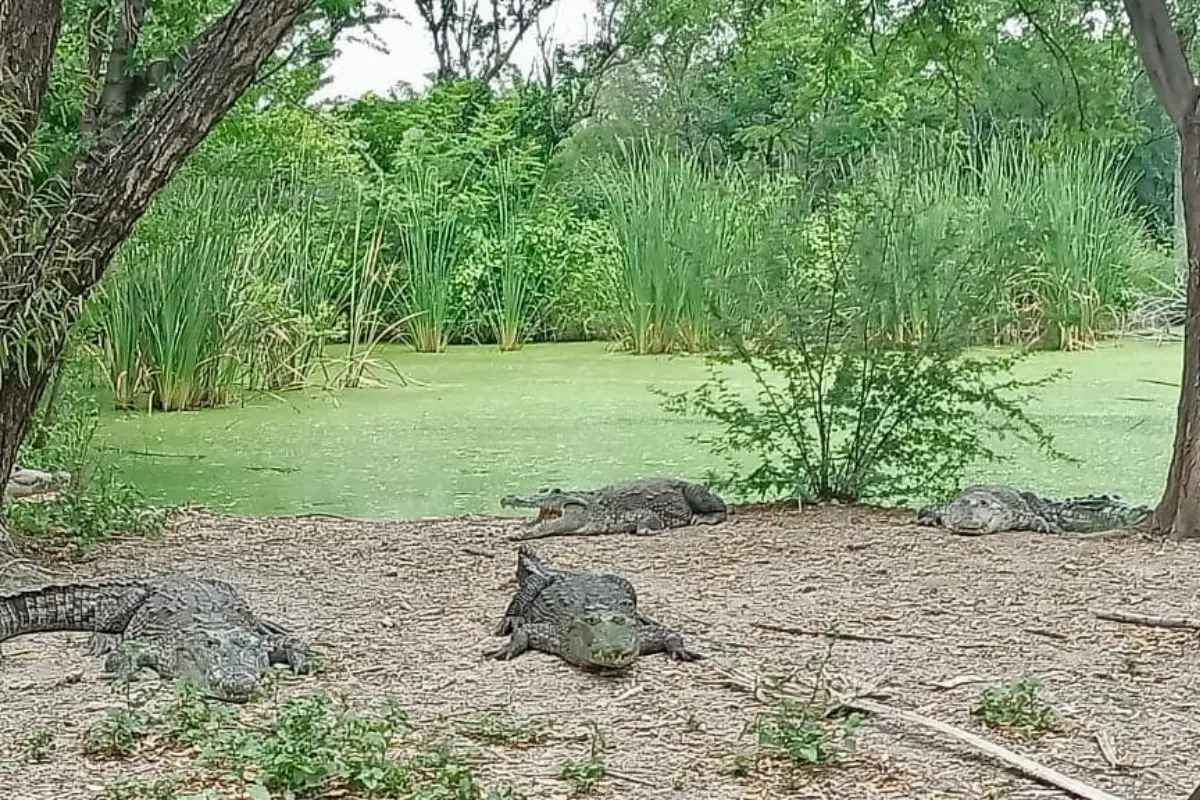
(676, 229)
(427, 235)
(229, 286)
(513, 297)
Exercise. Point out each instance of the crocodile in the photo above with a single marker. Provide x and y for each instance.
(981, 510)
(588, 619)
(182, 627)
(645, 506)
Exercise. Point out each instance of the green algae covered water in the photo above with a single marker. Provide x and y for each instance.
(571, 415)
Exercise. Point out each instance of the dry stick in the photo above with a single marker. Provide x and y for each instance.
(1148, 620)
(1025, 765)
(852, 637)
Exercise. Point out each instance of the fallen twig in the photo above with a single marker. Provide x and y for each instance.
(1108, 749)
(621, 776)
(471, 551)
(1030, 767)
(961, 680)
(852, 637)
(1149, 620)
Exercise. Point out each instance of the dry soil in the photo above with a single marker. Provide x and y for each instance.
(405, 608)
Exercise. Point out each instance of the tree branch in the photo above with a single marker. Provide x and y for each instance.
(29, 31)
(113, 189)
(1164, 58)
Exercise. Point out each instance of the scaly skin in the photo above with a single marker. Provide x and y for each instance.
(646, 506)
(181, 627)
(590, 620)
(982, 510)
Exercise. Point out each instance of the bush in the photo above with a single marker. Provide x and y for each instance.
(95, 505)
(844, 408)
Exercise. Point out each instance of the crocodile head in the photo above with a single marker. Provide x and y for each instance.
(550, 501)
(604, 640)
(976, 513)
(228, 664)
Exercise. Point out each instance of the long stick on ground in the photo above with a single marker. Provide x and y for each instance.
(1149, 620)
(1025, 765)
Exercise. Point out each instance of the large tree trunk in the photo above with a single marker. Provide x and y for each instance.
(45, 281)
(1162, 52)
(1178, 513)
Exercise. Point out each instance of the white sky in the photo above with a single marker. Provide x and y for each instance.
(360, 69)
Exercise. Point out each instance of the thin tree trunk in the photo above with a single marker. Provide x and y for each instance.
(19, 396)
(1178, 513)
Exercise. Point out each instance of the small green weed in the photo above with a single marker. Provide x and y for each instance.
(584, 774)
(1018, 707)
(126, 788)
(803, 736)
(40, 745)
(117, 733)
(313, 746)
(502, 727)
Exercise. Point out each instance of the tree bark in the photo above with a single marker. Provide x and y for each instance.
(1178, 512)
(1162, 52)
(46, 284)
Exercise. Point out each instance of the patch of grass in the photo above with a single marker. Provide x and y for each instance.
(1017, 707)
(319, 745)
(503, 727)
(676, 226)
(39, 746)
(801, 735)
(95, 504)
(126, 788)
(117, 734)
(585, 774)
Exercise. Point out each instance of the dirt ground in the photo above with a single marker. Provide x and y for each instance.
(404, 608)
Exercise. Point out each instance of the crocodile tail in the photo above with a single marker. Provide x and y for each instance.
(63, 606)
(703, 501)
(1095, 512)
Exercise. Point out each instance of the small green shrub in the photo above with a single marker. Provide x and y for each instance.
(803, 736)
(318, 745)
(585, 774)
(1017, 707)
(95, 504)
(39, 746)
(501, 727)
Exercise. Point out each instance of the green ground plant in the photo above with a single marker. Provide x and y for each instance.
(1017, 707)
(95, 504)
(317, 745)
(585, 774)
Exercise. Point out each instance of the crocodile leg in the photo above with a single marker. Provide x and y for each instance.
(292, 651)
(124, 661)
(1040, 524)
(930, 515)
(716, 518)
(100, 643)
(521, 640)
(646, 523)
(654, 637)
